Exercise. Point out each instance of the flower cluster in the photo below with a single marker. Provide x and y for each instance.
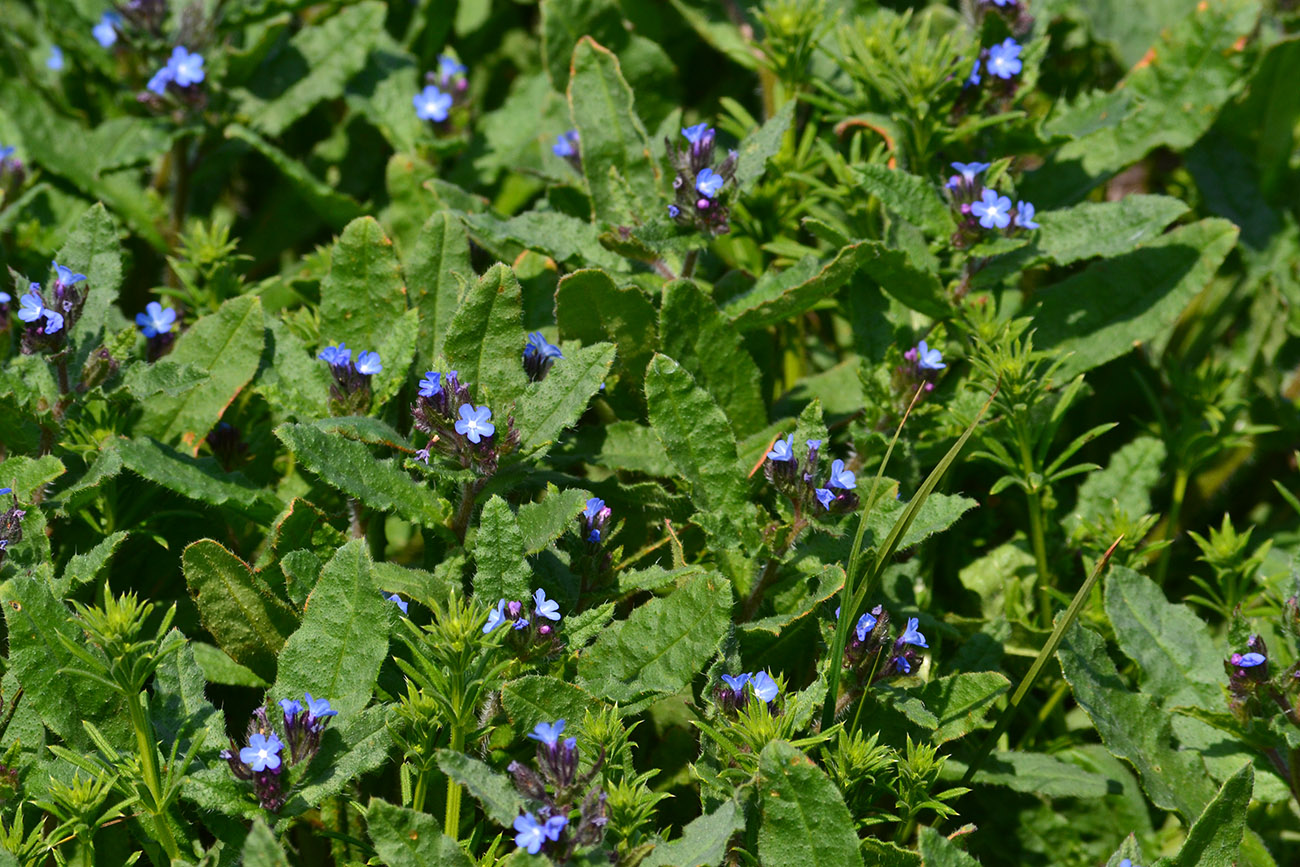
(539, 355)
(594, 519)
(921, 368)
(1248, 680)
(731, 694)
(874, 656)
(456, 427)
(535, 633)
(183, 70)
(11, 524)
(48, 323)
(977, 207)
(443, 90)
(263, 760)
(350, 391)
(554, 788)
(156, 324)
(566, 148)
(697, 186)
(800, 485)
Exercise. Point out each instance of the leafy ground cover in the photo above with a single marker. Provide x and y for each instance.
(650, 432)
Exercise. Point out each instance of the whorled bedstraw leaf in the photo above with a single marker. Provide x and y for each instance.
(802, 818)
(228, 344)
(662, 645)
(591, 308)
(436, 267)
(363, 295)
(485, 340)
(409, 838)
(550, 407)
(703, 841)
(337, 649)
(503, 572)
(494, 792)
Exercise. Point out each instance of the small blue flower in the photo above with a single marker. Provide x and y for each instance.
(866, 623)
(156, 319)
(593, 508)
(674, 211)
(695, 134)
(593, 536)
(431, 384)
(65, 277)
(840, 477)
(813, 444)
(53, 321)
(55, 60)
(1250, 660)
(1004, 58)
(538, 347)
(368, 363)
(765, 687)
(1025, 215)
(993, 210)
(186, 66)
(974, 78)
(336, 355)
(547, 733)
(318, 708)
(927, 358)
(399, 601)
(903, 665)
(566, 144)
(912, 635)
(968, 171)
(474, 423)
(262, 752)
(736, 683)
(4, 491)
(290, 707)
(5, 297)
(825, 496)
(521, 623)
(105, 32)
(708, 182)
(531, 833)
(782, 449)
(449, 66)
(30, 306)
(432, 104)
(496, 617)
(548, 608)
(163, 77)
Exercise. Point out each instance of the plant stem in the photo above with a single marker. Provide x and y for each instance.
(356, 526)
(451, 824)
(1181, 477)
(1038, 537)
(772, 568)
(148, 749)
(460, 521)
(688, 265)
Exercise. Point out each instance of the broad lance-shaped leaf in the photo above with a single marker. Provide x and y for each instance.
(343, 638)
(914, 199)
(93, 249)
(1214, 840)
(704, 341)
(960, 702)
(497, 795)
(538, 698)
(777, 296)
(803, 820)
(181, 707)
(1034, 774)
(227, 344)
(938, 851)
(328, 204)
(485, 341)
(590, 308)
(503, 572)
(397, 349)
(261, 849)
(351, 746)
(763, 144)
(545, 521)
(409, 838)
(704, 840)
(438, 266)
(899, 275)
(1103, 312)
(236, 606)
(551, 406)
(200, 479)
(661, 647)
(1132, 726)
(350, 467)
(622, 176)
(1171, 644)
(363, 295)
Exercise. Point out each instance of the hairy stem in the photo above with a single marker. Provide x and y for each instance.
(1181, 478)
(148, 749)
(451, 823)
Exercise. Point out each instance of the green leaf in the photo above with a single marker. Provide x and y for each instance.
(1101, 313)
(1172, 645)
(565, 22)
(218, 667)
(762, 145)
(407, 838)
(331, 206)
(780, 295)
(804, 822)
(485, 341)
(590, 308)
(296, 383)
(1214, 840)
(92, 248)
(363, 295)
(144, 380)
(1037, 774)
(349, 748)
(236, 606)
(635, 448)
(350, 467)
(912, 198)
(200, 479)
(538, 698)
(493, 791)
(1125, 484)
(28, 475)
(662, 646)
(703, 340)
(343, 638)
(937, 513)
(438, 265)
(961, 701)
(563, 238)
(622, 176)
(1104, 229)
(550, 407)
(545, 521)
(938, 851)
(704, 840)
(181, 710)
(897, 273)
(261, 849)
(1132, 726)
(503, 572)
(87, 567)
(397, 349)
(228, 344)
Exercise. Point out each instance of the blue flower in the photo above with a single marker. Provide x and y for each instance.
(708, 182)
(55, 60)
(993, 210)
(556, 824)
(318, 708)
(368, 363)
(912, 635)
(53, 321)
(262, 752)
(186, 66)
(825, 496)
(1250, 660)
(538, 347)
(765, 687)
(431, 384)
(566, 144)
(156, 319)
(593, 536)
(866, 623)
(1004, 58)
(5, 297)
(432, 104)
(782, 449)
(927, 358)
(4, 491)
(163, 77)
(105, 32)
(593, 508)
(548, 608)
(336, 355)
(399, 601)
(813, 444)
(64, 276)
(290, 707)
(30, 306)
(968, 171)
(449, 66)
(531, 833)
(695, 134)
(521, 623)
(474, 422)
(903, 665)
(1025, 215)
(736, 683)
(547, 733)
(840, 477)
(496, 617)
(974, 74)
(674, 211)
